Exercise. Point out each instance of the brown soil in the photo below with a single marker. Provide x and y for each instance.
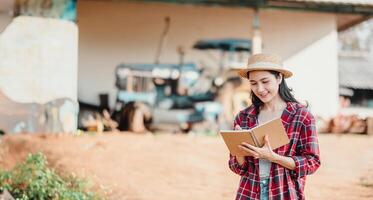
(173, 166)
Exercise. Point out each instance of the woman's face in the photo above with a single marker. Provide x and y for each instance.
(264, 85)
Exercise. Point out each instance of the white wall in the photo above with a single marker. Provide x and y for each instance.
(115, 32)
(39, 64)
(38, 75)
(309, 46)
(316, 79)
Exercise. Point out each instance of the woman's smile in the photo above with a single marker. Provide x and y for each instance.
(264, 95)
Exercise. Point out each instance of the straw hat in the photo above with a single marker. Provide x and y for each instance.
(264, 61)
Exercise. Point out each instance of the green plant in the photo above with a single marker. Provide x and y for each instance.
(32, 179)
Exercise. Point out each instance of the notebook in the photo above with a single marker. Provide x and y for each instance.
(255, 136)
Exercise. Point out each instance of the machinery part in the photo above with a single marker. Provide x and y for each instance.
(185, 127)
(162, 42)
(135, 117)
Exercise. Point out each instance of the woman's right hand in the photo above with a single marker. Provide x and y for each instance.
(240, 159)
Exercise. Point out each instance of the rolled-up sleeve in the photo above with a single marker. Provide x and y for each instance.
(236, 167)
(307, 157)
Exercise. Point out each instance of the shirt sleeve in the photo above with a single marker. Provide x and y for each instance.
(233, 163)
(236, 167)
(307, 158)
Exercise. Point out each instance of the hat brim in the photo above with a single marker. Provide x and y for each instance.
(284, 72)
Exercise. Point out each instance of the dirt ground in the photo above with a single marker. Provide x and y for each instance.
(175, 166)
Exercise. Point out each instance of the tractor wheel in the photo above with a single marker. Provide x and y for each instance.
(135, 117)
(185, 127)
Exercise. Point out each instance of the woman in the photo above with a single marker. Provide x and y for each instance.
(279, 173)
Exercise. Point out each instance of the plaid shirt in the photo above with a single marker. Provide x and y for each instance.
(303, 148)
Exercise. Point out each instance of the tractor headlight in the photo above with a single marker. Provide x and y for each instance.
(161, 73)
(175, 74)
(219, 81)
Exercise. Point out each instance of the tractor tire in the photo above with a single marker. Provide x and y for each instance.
(135, 117)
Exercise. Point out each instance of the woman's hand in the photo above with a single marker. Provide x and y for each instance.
(264, 152)
(240, 159)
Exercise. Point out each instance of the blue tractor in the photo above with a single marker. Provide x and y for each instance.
(157, 92)
(154, 95)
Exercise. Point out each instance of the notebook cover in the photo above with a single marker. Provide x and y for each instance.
(274, 129)
(233, 138)
(276, 133)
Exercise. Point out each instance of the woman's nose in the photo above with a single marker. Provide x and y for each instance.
(260, 88)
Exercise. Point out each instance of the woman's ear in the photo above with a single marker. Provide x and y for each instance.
(279, 78)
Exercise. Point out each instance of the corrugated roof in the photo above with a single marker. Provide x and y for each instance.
(333, 6)
(356, 72)
(346, 2)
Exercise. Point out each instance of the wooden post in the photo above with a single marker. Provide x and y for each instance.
(257, 38)
(370, 125)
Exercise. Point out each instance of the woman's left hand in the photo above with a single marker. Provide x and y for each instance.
(264, 152)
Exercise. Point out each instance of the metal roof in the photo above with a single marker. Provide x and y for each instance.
(332, 6)
(356, 72)
(343, 2)
(348, 12)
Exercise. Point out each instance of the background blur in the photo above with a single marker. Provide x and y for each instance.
(132, 94)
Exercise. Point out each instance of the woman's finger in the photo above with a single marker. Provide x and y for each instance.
(266, 141)
(247, 145)
(251, 152)
(237, 127)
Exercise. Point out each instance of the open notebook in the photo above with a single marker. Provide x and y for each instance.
(255, 136)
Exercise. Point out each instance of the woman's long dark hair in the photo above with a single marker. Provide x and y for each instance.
(284, 91)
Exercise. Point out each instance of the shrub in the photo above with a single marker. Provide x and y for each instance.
(32, 179)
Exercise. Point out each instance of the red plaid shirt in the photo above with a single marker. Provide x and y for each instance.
(303, 148)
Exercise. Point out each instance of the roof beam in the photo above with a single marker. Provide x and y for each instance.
(317, 6)
(331, 7)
